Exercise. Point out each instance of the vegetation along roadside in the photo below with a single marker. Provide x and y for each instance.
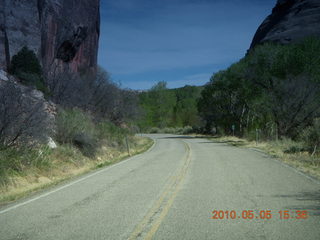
(51, 131)
(272, 96)
(30, 170)
(286, 150)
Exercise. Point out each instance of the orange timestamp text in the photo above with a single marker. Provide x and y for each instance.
(259, 214)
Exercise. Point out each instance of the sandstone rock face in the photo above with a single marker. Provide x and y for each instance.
(3, 76)
(290, 21)
(63, 33)
(26, 117)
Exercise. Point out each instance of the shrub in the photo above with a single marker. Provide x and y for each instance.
(77, 128)
(32, 79)
(167, 130)
(154, 130)
(111, 133)
(311, 136)
(25, 61)
(86, 143)
(25, 65)
(288, 145)
(187, 130)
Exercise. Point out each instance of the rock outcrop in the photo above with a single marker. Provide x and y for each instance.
(26, 117)
(290, 21)
(63, 33)
(3, 76)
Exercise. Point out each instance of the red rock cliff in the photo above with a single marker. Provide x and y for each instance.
(63, 33)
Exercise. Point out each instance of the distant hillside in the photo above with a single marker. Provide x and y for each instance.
(163, 107)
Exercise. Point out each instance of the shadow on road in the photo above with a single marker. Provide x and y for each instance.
(230, 142)
(183, 137)
(310, 201)
(211, 140)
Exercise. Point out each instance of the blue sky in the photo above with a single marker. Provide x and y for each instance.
(181, 42)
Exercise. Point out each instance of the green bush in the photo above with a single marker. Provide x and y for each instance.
(111, 133)
(25, 61)
(154, 130)
(77, 128)
(288, 145)
(86, 143)
(168, 130)
(26, 66)
(32, 79)
(311, 136)
(187, 130)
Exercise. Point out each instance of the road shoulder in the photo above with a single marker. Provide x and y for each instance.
(25, 188)
(301, 162)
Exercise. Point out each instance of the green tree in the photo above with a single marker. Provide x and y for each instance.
(158, 104)
(165, 107)
(25, 61)
(25, 65)
(288, 78)
(225, 99)
(274, 86)
(185, 112)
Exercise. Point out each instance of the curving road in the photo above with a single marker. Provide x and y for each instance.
(170, 192)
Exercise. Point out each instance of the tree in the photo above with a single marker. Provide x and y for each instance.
(25, 65)
(158, 104)
(288, 79)
(25, 61)
(225, 100)
(274, 85)
(185, 110)
(98, 95)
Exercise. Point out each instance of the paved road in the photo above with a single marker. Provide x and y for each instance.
(170, 193)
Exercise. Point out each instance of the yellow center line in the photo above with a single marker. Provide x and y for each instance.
(151, 212)
(160, 209)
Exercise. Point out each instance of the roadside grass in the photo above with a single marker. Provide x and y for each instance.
(55, 166)
(286, 150)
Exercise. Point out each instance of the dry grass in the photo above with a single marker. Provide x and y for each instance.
(66, 162)
(285, 150)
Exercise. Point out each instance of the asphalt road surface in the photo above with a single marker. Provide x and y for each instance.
(175, 191)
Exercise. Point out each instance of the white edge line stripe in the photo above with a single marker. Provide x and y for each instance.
(74, 182)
